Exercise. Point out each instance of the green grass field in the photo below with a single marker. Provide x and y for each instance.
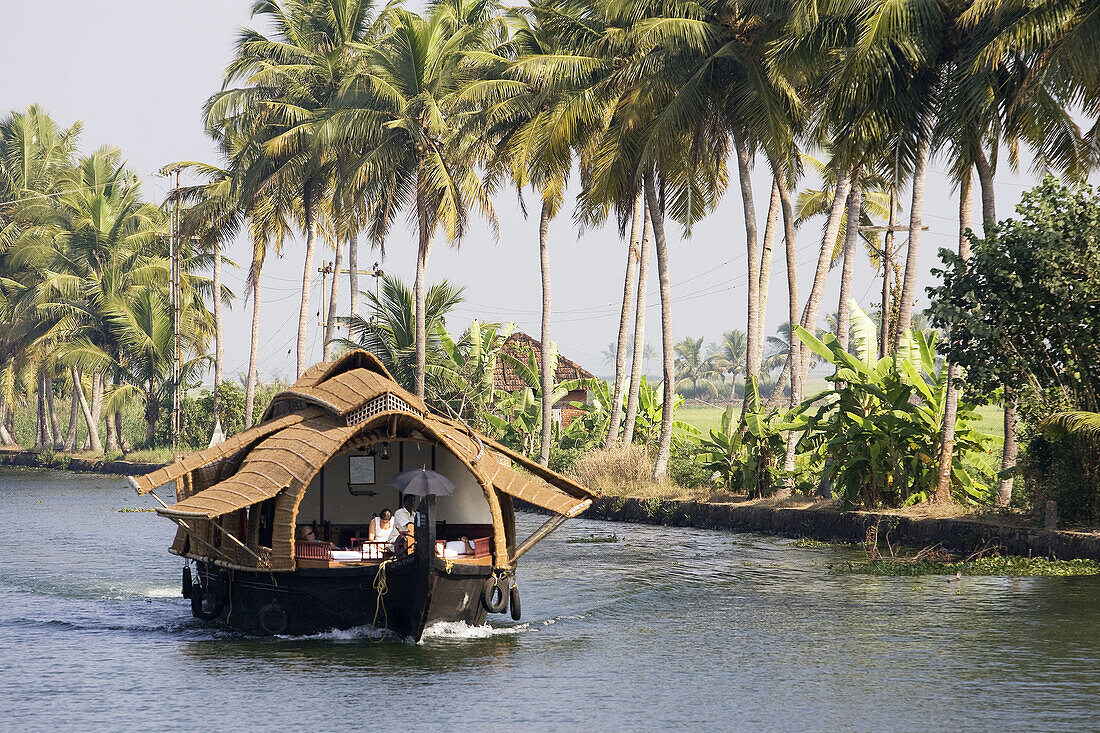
(710, 418)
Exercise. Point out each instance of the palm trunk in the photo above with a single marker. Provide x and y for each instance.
(99, 385)
(219, 335)
(353, 273)
(547, 366)
(6, 437)
(254, 344)
(112, 436)
(1008, 457)
(664, 446)
(824, 262)
(629, 286)
(51, 408)
(989, 197)
(767, 252)
(419, 290)
(333, 302)
(150, 416)
(752, 251)
(1008, 454)
(851, 235)
(916, 214)
(89, 418)
(887, 270)
(303, 313)
(73, 433)
(954, 372)
(41, 431)
(792, 295)
(123, 443)
(640, 303)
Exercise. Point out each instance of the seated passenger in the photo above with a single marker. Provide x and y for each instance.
(382, 530)
(405, 517)
(306, 533)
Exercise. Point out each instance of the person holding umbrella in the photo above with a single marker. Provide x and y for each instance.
(414, 483)
(405, 517)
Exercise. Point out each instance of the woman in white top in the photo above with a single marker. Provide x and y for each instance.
(382, 528)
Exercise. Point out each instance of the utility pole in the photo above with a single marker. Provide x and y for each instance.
(325, 270)
(174, 288)
(887, 256)
(376, 272)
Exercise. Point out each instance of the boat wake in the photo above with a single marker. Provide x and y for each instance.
(460, 630)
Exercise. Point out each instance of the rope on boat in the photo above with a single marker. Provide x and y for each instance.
(380, 588)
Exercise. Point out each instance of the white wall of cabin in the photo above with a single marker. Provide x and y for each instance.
(466, 506)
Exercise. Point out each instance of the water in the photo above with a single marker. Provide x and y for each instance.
(667, 629)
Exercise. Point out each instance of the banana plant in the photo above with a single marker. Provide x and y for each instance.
(466, 369)
(748, 460)
(878, 430)
(517, 416)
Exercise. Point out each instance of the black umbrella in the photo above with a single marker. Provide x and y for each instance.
(422, 482)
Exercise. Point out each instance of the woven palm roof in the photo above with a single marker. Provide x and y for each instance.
(520, 345)
(335, 406)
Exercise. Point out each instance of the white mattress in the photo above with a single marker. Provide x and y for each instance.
(346, 555)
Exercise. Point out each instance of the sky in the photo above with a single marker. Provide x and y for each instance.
(137, 72)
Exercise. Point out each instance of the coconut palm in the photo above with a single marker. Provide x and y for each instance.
(731, 354)
(526, 120)
(36, 160)
(401, 110)
(691, 366)
(389, 328)
(289, 79)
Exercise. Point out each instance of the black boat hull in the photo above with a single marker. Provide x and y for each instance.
(313, 600)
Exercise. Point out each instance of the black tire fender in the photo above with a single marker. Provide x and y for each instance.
(513, 603)
(187, 581)
(213, 607)
(273, 619)
(494, 595)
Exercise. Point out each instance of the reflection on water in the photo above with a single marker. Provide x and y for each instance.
(667, 628)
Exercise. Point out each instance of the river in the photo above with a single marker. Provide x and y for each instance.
(666, 629)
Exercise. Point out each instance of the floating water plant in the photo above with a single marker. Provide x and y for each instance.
(1012, 565)
(593, 539)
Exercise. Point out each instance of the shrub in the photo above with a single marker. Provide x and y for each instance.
(1064, 469)
(685, 470)
(563, 460)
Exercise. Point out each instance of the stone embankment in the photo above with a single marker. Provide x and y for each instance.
(62, 462)
(957, 535)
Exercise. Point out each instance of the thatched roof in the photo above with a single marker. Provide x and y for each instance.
(520, 345)
(332, 405)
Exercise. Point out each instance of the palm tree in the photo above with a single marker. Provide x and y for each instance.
(633, 256)
(401, 111)
(389, 329)
(690, 364)
(36, 161)
(732, 353)
(290, 79)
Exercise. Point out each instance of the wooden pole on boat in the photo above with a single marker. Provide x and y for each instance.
(191, 533)
(549, 526)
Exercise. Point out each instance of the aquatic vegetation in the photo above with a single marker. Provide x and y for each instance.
(594, 539)
(1010, 565)
(807, 542)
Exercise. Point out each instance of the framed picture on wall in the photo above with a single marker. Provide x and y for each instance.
(361, 475)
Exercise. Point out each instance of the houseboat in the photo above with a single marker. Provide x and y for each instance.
(274, 521)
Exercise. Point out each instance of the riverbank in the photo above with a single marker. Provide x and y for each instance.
(79, 464)
(963, 536)
(960, 535)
